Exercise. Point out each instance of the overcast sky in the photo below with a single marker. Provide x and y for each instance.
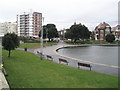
(63, 13)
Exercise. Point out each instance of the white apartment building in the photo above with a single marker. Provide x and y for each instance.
(8, 27)
(29, 24)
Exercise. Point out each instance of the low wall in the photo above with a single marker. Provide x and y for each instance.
(3, 82)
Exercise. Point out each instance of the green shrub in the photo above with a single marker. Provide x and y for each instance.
(110, 38)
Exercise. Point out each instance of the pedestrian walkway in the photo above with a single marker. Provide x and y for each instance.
(73, 62)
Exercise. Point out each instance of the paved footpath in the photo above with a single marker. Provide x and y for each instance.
(73, 62)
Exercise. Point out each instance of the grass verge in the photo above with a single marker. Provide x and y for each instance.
(26, 70)
(36, 45)
(92, 42)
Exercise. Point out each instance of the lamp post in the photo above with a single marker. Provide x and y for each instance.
(1, 52)
(42, 38)
(46, 35)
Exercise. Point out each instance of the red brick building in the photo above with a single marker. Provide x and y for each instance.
(102, 30)
(116, 31)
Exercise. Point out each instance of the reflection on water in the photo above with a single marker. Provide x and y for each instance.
(97, 54)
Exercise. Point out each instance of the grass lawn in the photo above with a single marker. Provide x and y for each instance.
(36, 45)
(26, 70)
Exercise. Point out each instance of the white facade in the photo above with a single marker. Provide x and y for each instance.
(24, 24)
(7, 27)
(29, 24)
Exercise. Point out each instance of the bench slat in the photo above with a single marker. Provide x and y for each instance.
(63, 60)
(84, 64)
(49, 57)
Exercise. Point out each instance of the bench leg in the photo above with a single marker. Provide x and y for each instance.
(51, 59)
(90, 68)
(67, 63)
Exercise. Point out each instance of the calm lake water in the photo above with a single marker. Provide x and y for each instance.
(96, 54)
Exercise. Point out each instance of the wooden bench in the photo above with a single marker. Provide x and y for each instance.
(40, 54)
(84, 65)
(63, 60)
(49, 57)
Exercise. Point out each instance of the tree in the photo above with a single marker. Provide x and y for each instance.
(69, 34)
(10, 42)
(50, 30)
(78, 31)
(110, 38)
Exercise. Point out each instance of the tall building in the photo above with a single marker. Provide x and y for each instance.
(8, 27)
(29, 24)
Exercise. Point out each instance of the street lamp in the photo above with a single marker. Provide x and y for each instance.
(42, 38)
(1, 52)
(46, 35)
